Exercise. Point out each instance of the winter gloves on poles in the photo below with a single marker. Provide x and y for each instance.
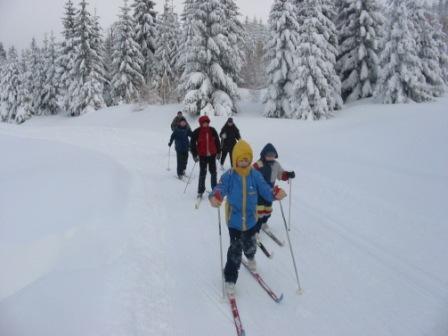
(216, 199)
(286, 175)
(279, 193)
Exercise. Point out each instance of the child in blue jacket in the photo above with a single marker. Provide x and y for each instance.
(242, 185)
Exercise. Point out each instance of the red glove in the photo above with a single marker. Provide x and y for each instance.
(216, 199)
(285, 176)
(279, 193)
(218, 196)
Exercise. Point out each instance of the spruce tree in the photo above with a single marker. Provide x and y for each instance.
(209, 88)
(317, 86)
(108, 65)
(187, 33)
(50, 90)
(11, 82)
(145, 35)
(232, 59)
(359, 25)
(87, 73)
(66, 55)
(167, 53)
(426, 28)
(253, 71)
(2, 66)
(401, 79)
(2, 54)
(281, 57)
(26, 105)
(36, 77)
(127, 76)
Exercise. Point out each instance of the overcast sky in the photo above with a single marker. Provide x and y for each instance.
(20, 20)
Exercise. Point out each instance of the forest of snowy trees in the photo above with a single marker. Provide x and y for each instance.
(309, 59)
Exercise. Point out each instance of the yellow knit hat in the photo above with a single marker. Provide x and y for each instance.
(242, 150)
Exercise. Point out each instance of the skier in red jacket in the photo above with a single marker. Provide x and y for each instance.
(205, 148)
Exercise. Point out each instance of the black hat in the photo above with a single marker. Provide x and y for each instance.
(179, 112)
(230, 120)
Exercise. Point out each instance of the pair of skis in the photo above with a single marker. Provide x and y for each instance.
(263, 248)
(232, 299)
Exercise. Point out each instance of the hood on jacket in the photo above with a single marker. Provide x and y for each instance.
(242, 150)
(204, 119)
(268, 149)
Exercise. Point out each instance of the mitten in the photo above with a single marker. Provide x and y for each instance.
(279, 193)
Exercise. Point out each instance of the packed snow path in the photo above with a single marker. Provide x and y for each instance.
(98, 238)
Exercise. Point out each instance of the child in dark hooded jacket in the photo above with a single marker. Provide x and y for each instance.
(271, 170)
(180, 136)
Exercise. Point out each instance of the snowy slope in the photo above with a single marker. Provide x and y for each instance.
(98, 238)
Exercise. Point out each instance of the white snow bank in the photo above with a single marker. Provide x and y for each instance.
(61, 211)
(368, 228)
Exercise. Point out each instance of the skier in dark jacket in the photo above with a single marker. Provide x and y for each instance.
(229, 135)
(180, 136)
(176, 121)
(271, 170)
(205, 148)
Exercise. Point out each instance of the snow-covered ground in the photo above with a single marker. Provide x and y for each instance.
(98, 238)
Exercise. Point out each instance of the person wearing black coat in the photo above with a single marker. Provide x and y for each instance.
(180, 136)
(229, 135)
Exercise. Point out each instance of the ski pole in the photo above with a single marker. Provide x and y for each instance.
(220, 249)
(189, 177)
(299, 290)
(169, 157)
(290, 200)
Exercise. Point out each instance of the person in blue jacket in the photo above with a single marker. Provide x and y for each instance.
(180, 136)
(242, 185)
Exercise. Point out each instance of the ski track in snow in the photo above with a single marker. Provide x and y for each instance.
(359, 277)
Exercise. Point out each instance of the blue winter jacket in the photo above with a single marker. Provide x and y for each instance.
(180, 137)
(242, 195)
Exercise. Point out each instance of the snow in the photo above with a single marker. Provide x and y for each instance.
(98, 238)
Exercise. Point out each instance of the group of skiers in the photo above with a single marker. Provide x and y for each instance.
(250, 188)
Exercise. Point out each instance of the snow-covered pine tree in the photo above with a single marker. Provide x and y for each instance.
(87, 73)
(50, 90)
(99, 46)
(108, 65)
(359, 25)
(127, 76)
(280, 55)
(11, 83)
(36, 77)
(210, 90)
(401, 79)
(2, 65)
(26, 105)
(145, 35)
(66, 55)
(253, 71)
(441, 39)
(166, 53)
(186, 37)
(232, 60)
(427, 49)
(316, 92)
(2, 54)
